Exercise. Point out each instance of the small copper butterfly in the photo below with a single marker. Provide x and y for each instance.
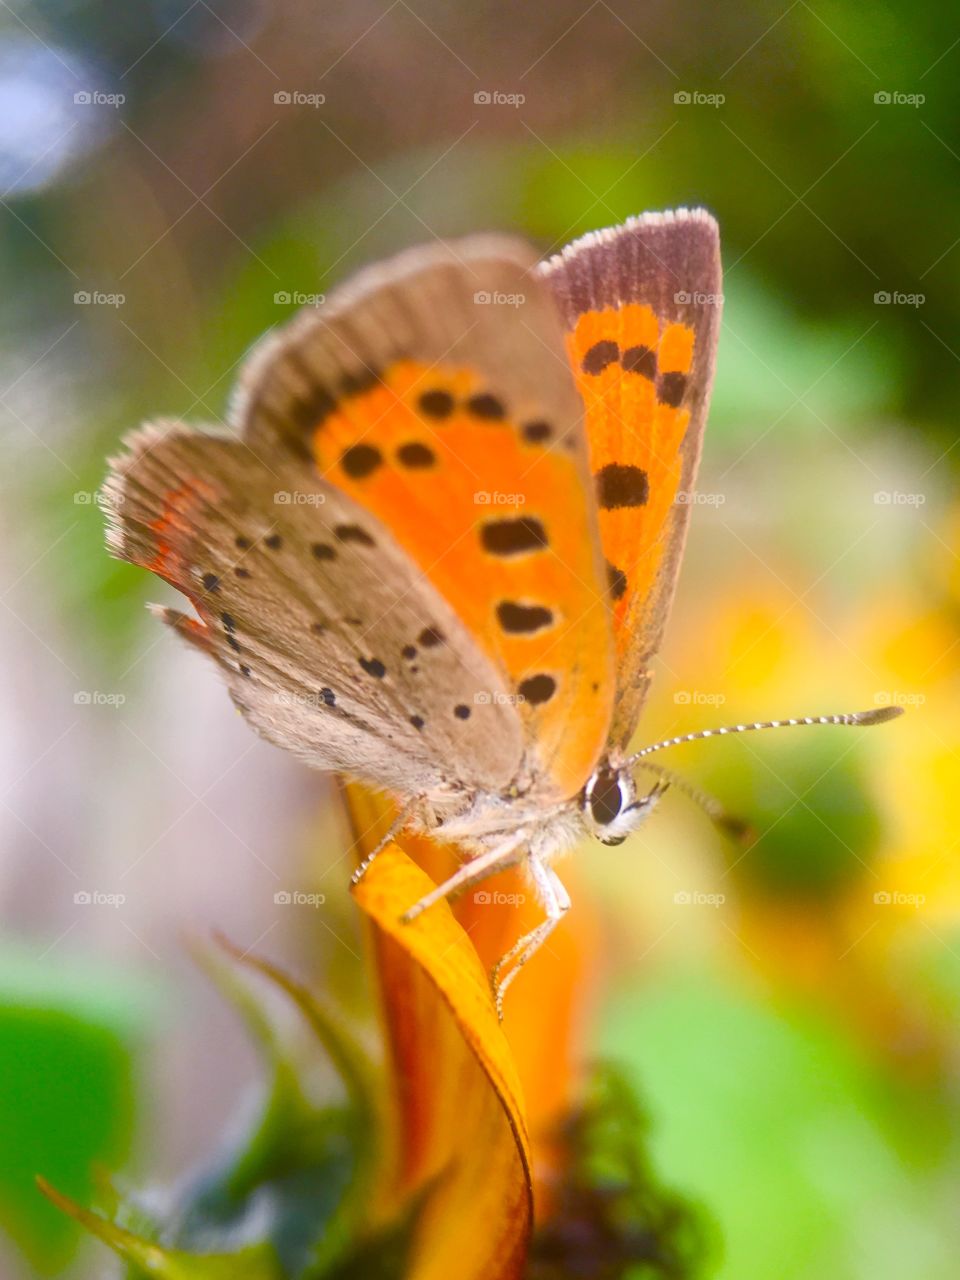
(438, 550)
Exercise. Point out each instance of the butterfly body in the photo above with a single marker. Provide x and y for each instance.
(437, 549)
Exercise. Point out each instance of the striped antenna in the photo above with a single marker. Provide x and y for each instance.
(877, 715)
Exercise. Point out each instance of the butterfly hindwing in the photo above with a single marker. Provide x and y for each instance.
(642, 305)
(434, 391)
(333, 644)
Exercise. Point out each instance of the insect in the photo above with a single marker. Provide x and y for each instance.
(437, 549)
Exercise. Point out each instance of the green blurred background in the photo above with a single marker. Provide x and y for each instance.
(173, 175)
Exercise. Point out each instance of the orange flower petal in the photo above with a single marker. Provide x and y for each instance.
(461, 1128)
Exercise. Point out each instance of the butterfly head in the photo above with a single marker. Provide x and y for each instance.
(612, 806)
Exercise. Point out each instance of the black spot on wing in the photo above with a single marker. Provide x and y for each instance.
(361, 460)
(486, 406)
(641, 360)
(430, 637)
(354, 533)
(537, 689)
(619, 485)
(536, 432)
(617, 581)
(436, 403)
(599, 356)
(416, 455)
(211, 583)
(523, 619)
(373, 667)
(513, 536)
(461, 711)
(671, 388)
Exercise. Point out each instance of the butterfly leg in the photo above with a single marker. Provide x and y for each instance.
(556, 902)
(396, 827)
(472, 871)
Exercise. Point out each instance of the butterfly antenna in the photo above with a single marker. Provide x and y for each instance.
(736, 828)
(877, 715)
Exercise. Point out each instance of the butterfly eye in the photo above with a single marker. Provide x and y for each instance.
(605, 797)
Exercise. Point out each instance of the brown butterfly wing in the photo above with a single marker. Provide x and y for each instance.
(333, 644)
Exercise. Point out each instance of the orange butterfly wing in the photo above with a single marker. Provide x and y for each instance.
(434, 391)
(642, 304)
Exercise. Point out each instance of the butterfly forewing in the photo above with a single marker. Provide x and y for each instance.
(333, 644)
(642, 306)
(435, 392)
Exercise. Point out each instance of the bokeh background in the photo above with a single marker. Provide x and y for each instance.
(175, 176)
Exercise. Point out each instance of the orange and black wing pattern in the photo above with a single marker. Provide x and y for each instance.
(434, 392)
(642, 304)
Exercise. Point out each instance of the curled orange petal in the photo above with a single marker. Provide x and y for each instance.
(461, 1134)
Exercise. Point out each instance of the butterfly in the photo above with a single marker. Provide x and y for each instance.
(438, 546)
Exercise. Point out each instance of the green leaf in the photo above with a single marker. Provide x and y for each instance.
(814, 1160)
(151, 1260)
(67, 1036)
